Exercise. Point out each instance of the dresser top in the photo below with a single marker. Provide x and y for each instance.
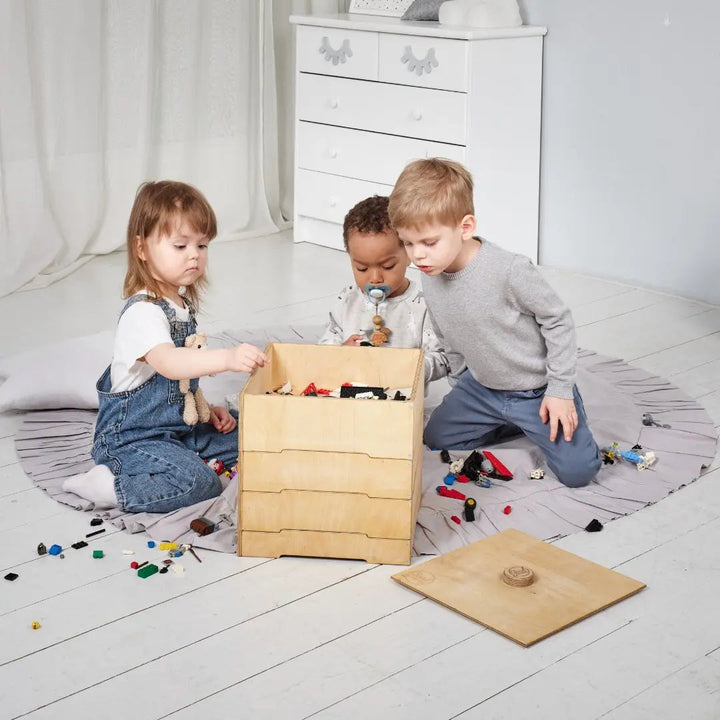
(380, 23)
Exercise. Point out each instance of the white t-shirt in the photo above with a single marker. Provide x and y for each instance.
(142, 327)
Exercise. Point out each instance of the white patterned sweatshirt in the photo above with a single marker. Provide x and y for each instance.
(405, 316)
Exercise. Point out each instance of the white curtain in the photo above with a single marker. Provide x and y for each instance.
(98, 95)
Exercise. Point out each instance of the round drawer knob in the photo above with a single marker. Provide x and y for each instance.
(334, 103)
(417, 114)
(518, 576)
(333, 202)
(333, 153)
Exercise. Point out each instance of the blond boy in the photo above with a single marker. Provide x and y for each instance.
(495, 309)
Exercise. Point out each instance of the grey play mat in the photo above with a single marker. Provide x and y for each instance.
(54, 444)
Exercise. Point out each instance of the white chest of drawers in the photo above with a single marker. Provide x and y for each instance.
(374, 93)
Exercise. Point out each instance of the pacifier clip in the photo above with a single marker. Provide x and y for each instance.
(377, 294)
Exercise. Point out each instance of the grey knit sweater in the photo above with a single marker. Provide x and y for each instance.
(506, 321)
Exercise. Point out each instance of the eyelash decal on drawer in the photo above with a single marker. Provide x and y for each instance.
(335, 56)
(419, 66)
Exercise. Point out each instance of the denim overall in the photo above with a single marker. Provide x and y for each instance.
(141, 436)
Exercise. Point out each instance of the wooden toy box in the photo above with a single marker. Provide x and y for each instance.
(325, 476)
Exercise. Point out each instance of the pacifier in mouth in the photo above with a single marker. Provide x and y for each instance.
(377, 293)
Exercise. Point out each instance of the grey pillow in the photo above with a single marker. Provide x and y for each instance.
(423, 10)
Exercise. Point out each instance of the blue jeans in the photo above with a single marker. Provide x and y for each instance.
(472, 415)
(155, 457)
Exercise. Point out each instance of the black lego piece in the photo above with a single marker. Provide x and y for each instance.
(12, 576)
(469, 512)
(399, 396)
(96, 521)
(42, 550)
(472, 467)
(594, 526)
(97, 532)
(79, 544)
(445, 456)
(350, 391)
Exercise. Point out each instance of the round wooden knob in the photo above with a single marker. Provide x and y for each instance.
(518, 576)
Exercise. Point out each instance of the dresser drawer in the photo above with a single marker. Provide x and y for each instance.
(329, 197)
(318, 232)
(399, 110)
(364, 155)
(345, 53)
(423, 61)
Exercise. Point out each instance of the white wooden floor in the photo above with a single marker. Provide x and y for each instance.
(298, 638)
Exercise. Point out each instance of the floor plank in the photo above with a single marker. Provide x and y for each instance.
(693, 691)
(13, 480)
(7, 452)
(22, 507)
(649, 330)
(577, 290)
(336, 670)
(9, 423)
(615, 306)
(681, 357)
(308, 619)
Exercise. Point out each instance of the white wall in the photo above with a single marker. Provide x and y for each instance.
(631, 128)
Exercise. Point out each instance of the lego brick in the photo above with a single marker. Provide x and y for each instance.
(147, 571)
(202, 526)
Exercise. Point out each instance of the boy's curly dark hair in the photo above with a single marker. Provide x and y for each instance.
(368, 216)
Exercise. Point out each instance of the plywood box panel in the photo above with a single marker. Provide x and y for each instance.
(328, 511)
(330, 366)
(378, 428)
(566, 588)
(323, 544)
(329, 472)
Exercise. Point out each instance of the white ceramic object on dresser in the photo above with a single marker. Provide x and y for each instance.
(373, 93)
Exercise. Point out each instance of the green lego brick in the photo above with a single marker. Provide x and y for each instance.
(147, 571)
(97, 553)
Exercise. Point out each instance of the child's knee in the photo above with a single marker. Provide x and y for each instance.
(431, 437)
(207, 485)
(579, 472)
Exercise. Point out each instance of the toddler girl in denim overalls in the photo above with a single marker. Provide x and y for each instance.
(148, 458)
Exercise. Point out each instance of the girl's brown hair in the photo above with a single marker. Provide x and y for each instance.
(161, 205)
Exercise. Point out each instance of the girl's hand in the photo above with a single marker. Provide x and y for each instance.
(245, 358)
(559, 411)
(221, 419)
(354, 340)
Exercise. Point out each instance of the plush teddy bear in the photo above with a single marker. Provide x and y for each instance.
(196, 406)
